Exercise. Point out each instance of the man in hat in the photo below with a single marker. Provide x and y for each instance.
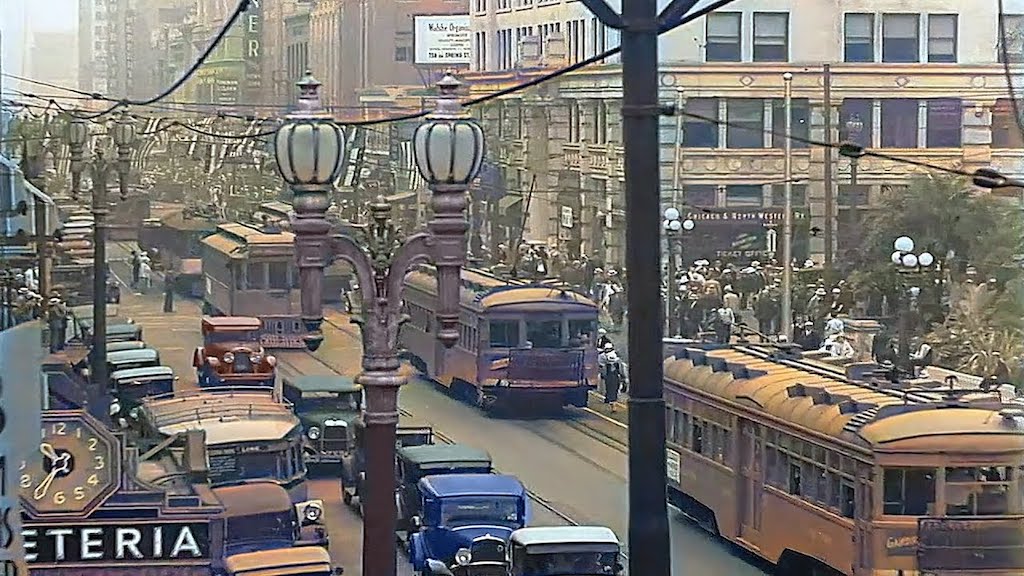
(612, 374)
(170, 279)
(839, 347)
(136, 264)
(57, 322)
(602, 339)
(808, 339)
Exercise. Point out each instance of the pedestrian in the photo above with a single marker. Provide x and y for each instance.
(145, 281)
(602, 339)
(169, 282)
(612, 375)
(808, 339)
(136, 268)
(56, 320)
(723, 325)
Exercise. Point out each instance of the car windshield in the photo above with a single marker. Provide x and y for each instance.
(231, 468)
(568, 564)
(273, 525)
(328, 402)
(456, 511)
(236, 337)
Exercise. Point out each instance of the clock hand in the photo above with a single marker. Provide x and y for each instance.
(63, 464)
(44, 486)
(48, 451)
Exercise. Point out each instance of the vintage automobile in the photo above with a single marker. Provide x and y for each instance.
(414, 462)
(231, 354)
(130, 386)
(116, 331)
(260, 517)
(128, 359)
(564, 550)
(410, 432)
(327, 406)
(474, 512)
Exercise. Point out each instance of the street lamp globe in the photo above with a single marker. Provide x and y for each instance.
(903, 244)
(671, 214)
(688, 224)
(675, 225)
(78, 132)
(449, 145)
(124, 131)
(309, 147)
(925, 259)
(897, 257)
(910, 260)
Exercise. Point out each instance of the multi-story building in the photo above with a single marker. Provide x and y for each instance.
(109, 50)
(921, 80)
(53, 58)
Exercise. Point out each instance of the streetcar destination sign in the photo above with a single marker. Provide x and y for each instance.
(116, 543)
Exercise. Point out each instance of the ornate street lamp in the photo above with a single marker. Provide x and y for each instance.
(124, 140)
(674, 228)
(78, 136)
(907, 262)
(449, 149)
(309, 149)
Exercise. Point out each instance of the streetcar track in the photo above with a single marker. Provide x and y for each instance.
(537, 498)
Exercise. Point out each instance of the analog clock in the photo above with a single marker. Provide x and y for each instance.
(77, 466)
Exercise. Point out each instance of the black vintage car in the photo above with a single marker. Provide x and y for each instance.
(410, 432)
(328, 407)
(415, 462)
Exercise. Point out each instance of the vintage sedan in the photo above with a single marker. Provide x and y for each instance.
(328, 407)
(410, 432)
(132, 385)
(232, 355)
(413, 463)
(564, 550)
(129, 359)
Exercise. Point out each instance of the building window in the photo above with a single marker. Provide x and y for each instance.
(700, 133)
(942, 37)
(723, 37)
(899, 123)
(799, 195)
(1011, 38)
(852, 195)
(700, 194)
(746, 123)
(771, 37)
(901, 38)
(945, 123)
(859, 31)
(855, 121)
(744, 195)
(403, 53)
(1006, 133)
(800, 126)
(480, 5)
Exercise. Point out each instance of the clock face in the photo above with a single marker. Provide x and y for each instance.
(77, 466)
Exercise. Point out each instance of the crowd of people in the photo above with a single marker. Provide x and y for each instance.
(22, 302)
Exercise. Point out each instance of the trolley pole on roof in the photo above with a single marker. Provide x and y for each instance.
(449, 149)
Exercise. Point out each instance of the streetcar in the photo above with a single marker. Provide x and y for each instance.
(822, 474)
(251, 435)
(521, 343)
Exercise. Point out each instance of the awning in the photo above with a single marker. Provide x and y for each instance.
(508, 202)
(400, 197)
(22, 190)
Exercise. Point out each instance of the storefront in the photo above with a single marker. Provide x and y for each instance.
(742, 235)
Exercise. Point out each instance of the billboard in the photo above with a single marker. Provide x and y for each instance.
(743, 234)
(441, 39)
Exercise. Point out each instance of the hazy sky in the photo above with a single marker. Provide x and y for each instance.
(18, 18)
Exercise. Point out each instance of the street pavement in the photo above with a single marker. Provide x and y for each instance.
(176, 335)
(568, 464)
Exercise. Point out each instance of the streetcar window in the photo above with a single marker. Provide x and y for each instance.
(583, 330)
(697, 434)
(670, 420)
(794, 479)
(504, 333)
(278, 275)
(909, 491)
(847, 499)
(254, 279)
(544, 333)
(982, 491)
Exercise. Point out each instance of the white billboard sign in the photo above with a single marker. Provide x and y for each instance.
(442, 39)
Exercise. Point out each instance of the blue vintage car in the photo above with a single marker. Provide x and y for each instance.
(469, 515)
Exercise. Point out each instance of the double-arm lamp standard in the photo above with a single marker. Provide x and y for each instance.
(449, 150)
(123, 132)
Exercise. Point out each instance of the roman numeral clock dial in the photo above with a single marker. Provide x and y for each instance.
(76, 468)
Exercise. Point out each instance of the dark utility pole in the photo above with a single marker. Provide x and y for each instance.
(830, 194)
(99, 268)
(640, 22)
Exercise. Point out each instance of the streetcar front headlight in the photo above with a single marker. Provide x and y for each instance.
(313, 432)
(229, 357)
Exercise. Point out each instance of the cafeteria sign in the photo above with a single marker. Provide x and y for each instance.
(441, 39)
(116, 543)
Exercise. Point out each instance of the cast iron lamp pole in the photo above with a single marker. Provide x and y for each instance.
(100, 210)
(77, 135)
(449, 149)
(907, 262)
(124, 139)
(674, 228)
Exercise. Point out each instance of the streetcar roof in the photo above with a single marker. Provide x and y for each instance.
(458, 485)
(429, 455)
(858, 412)
(280, 562)
(546, 535)
(253, 498)
(534, 294)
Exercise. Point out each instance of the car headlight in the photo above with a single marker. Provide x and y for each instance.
(313, 432)
(255, 358)
(313, 513)
(115, 407)
(229, 357)
(463, 557)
